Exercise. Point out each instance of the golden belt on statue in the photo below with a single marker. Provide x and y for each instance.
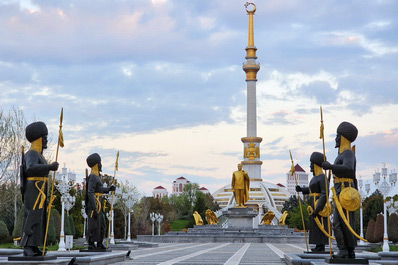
(41, 197)
(342, 180)
(97, 197)
(314, 194)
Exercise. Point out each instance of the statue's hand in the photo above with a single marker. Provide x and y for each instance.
(112, 188)
(53, 166)
(298, 188)
(326, 165)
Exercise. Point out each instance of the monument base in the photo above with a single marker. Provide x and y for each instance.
(346, 261)
(95, 250)
(240, 217)
(31, 258)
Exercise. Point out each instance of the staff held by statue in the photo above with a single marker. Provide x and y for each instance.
(293, 173)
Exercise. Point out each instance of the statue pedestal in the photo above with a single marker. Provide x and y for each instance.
(240, 217)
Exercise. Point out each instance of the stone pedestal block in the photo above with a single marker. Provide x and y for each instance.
(240, 217)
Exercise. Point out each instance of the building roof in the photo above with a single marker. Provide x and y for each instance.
(181, 177)
(281, 185)
(159, 188)
(203, 188)
(299, 168)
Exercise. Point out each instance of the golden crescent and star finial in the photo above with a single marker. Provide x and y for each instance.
(250, 11)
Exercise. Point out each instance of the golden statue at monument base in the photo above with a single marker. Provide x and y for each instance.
(240, 186)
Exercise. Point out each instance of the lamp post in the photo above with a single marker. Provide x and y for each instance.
(83, 212)
(64, 183)
(129, 201)
(152, 216)
(384, 187)
(112, 199)
(159, 218)
(363, 195)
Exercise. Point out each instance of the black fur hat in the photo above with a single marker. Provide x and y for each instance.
(348, 130)
(317, 158)
(35, 130)
(93, 159)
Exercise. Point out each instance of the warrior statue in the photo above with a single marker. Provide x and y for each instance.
(94, 209)
(317, 192)
(344, 178)
(34, 187)
(240, 186)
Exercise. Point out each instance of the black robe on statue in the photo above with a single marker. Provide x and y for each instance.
(317, 185)
(34, 223)
(94, 209)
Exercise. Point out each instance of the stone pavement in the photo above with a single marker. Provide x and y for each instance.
(214, 254)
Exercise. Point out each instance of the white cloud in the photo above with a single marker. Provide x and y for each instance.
(381, 24)
(375, 47)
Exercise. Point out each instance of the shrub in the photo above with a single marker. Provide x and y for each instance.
(369, 235)
(392, 228)
(4, 233)
(379, 228)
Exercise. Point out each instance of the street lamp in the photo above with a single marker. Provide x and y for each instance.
(363, 195)
(64, 183)
(83, 212)
(152, 216)
(159, 218)
(384, 187)
(129, 201)
(112, 199)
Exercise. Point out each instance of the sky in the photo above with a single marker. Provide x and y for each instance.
(161, 81)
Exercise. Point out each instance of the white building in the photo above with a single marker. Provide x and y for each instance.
(159, 192)
(178, 185)
(302, 179)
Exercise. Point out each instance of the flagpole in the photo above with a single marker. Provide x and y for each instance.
(293, 172)
(322, 136)
(52, 196)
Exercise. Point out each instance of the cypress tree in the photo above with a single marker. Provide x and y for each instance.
(67, 229)
(17, 232)
(72, 226)
(369, 235)
(4, 233)
(52, 237)
(379, 228)
(392, 228)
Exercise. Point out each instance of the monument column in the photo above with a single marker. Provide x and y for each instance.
(251, 143)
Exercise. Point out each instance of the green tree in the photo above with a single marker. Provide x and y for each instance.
(294, 218)
(379, 228)
(369, 235)
(372, 206)
(392, 228)
(290, 204)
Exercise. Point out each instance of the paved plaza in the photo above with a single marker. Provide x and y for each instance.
(213, 253)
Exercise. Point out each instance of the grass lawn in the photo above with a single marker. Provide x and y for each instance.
(379, 249)
(177, 225)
